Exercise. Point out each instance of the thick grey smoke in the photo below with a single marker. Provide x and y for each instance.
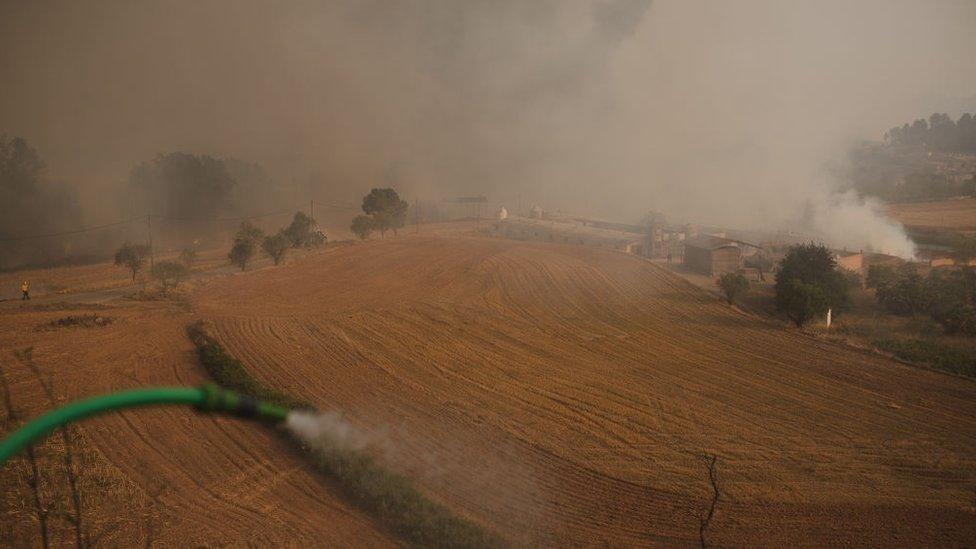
(714, 112)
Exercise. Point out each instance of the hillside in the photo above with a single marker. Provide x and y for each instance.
(948, 215)
(558, 394)
(564, 394)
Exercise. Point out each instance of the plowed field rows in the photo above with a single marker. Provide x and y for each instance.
(564, 395)
(167, 475)
(959, 215)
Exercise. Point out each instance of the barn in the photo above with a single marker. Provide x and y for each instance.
(712, 255)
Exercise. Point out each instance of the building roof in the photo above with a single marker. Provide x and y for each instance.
(709, 242)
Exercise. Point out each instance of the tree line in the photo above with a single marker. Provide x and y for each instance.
(938, 133)
(947, 295)
(31, 202)
(383, 208)
(41, 221)
(809, 283)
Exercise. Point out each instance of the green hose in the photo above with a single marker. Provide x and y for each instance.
(206, 398)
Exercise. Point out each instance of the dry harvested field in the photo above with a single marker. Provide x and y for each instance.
(957, 215)
(560, 395)
(166, 476)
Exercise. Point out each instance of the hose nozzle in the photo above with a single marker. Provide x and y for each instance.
(218, 399)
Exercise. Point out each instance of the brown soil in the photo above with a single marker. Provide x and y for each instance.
(560, 395)
(958, 215)
(163, 475)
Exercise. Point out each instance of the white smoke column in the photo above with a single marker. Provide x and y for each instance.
(851, 221)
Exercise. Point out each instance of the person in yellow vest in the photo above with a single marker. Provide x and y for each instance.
(25, 289)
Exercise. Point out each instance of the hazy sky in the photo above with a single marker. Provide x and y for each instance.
(712, 111)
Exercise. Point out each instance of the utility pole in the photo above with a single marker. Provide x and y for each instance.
(416, 207)
(152, 259)
(311, 209)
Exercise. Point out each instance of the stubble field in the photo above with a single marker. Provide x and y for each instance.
(559, 395)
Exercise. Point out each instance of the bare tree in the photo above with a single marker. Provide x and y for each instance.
(26, 357)
(33, 480)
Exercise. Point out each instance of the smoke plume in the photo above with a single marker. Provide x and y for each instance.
(712, 112)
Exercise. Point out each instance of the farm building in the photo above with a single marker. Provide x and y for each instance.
(713, 255)
(851, 261)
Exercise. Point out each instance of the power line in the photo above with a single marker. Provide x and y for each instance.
(65, 233)
(157, 217)
(234, 218)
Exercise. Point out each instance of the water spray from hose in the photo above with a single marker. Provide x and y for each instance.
(338, 451)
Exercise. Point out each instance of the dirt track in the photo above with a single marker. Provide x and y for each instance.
(561, 395)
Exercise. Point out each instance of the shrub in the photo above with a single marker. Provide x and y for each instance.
(959, 319)
(228, 372)
(732, 284)
(276, 246)
(905, 294)
(879, 275)
(132, 256)
(241, 253)
(801, 301)
(302, 231)
(250, 233)
(964, 247)
(88, 321)
(931, 353)
(362, 226)
(169, 273)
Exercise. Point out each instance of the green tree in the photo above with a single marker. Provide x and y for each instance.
(249, 232)
(245, 243)
(812, 264)
(195, 188)
(386, 208)
(952, 299)
(959, 319)
(905, 294)
(132, 257)
(276, 247)
(302, 231)
(880, 275)
(362, 226)
(32, 204)
(169, 273)
(241, 252)
(964, 248)
(733, 285)
(801, 301)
